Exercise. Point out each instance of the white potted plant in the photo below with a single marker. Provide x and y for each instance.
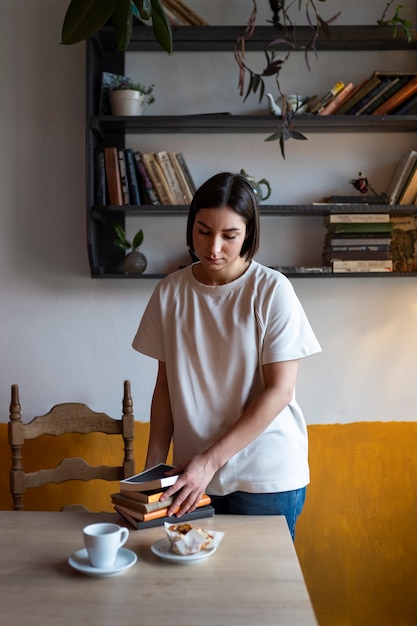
(127, 97)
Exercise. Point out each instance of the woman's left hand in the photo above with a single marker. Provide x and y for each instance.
(195, 475)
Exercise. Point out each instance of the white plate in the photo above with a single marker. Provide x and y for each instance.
(124, 560)
(162, 548)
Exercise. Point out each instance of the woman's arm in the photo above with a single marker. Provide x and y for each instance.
(161, 421)
(279, 381)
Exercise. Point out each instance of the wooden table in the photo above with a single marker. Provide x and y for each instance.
(253, 579)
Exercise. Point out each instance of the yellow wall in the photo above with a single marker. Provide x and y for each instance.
(356, 538)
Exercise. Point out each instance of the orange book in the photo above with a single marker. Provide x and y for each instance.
(338, 100)
(397, 98)
(114, 183)
(146, 517)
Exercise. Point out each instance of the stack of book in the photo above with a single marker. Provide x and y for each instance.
(130, 177)
(382, 93)
(358, 242)
(139, 502)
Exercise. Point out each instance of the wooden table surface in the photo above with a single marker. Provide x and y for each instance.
(254, 577)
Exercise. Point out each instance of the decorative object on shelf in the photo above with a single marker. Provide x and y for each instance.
(82, 20)
(363, 185)
(296, 103)
(126, 96)
(286, 42)
(257, 186)
(135, 262)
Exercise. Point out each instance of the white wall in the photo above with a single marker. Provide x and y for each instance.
(64, 336)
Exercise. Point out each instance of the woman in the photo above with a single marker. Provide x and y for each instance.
(228, 334)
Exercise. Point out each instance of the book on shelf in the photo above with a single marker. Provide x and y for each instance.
(170, 176)
(408, 107)
(158, 178)
(404, 243)
(383, 83)
(132, 178)
(146, 516)
(348, 247)
(123, 177)
(199, 513)
(334, 105)
(358, 94)
(406, 92)
(358, 239)
(362, 266)
(343, 218)
(360, 227)
(328, 97)
(152, 478)
(185, 13)
(187, 193)
(114, 185)
(355, 199)
(408, 193)
(400, 176)
(302, 269)
(145, 184)
(357, 255)
(100, 186)
(183, 163)
(396, 85)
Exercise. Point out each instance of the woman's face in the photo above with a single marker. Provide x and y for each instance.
(218, 237)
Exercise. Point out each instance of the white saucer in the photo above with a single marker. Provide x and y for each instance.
(124, 560)
(162, 548)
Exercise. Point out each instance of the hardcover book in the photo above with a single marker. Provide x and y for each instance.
(204, 511)
(406, 92)
(148, 190)
(332, 108)
(401, 174)
(123, 177)
(148, 495)
(114, 185)
(328, 97)
(132, 179)
(343, 218)
(404, 243)
(408, 194)
(361, 227)
(170, 176)
(186, 191)
(146, 516)
(362, 266)
(152, 478)
(158, 178)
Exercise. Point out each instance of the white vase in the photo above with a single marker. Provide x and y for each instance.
(126, 102)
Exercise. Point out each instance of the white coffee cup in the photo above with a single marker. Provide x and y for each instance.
(102, 542)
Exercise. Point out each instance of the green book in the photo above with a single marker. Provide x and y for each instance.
(361, 227)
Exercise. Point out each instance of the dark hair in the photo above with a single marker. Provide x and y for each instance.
(232, 191)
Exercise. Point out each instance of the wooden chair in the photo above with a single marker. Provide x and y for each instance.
(70, 417)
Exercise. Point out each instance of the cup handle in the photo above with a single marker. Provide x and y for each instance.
(124, 536)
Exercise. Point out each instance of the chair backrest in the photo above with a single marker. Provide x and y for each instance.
(70, 417)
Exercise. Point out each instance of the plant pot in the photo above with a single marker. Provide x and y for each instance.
(135, 262)
(126, 102)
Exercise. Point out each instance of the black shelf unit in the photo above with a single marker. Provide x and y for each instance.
(105, 260)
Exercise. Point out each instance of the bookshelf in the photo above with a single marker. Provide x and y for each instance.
(105, 259)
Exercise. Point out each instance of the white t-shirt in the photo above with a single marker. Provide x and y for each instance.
(214, 341)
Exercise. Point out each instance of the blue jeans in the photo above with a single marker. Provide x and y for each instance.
(288, 503)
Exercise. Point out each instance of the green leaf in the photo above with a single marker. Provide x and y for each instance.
(137, 239)
(84, 18)
(161, 27)
(122, 23)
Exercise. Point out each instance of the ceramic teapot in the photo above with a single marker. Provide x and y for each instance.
(295, 101)
(257, 186)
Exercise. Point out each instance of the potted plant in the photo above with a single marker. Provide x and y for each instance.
(135, 262)
(127, 97)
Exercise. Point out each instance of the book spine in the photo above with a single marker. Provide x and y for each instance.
(145, 182)
(363, 102)
(328, 97)
(114, 185)
(398, 98)
(333, 106)
(157, 177)
(362, 266)
(143, 507)
(409, 193)
(393, 88)
(186, 191)
(186, 13)
(355, 218)
(406, 106)
(123, 177)
(186, 171)
(364, 227)
(204, 501)
(401, 174)
(100, 195)
(201, 512)
(170, 176)
(358, 95)
(132, 177)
